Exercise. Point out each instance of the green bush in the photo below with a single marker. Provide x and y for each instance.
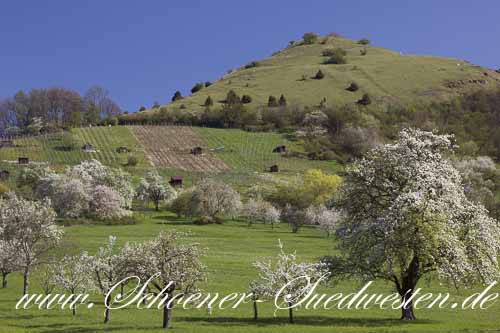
(197, 87)
(337, 57)
(364, 41)
(252, 64)
(177, 96)
(4, 189)
(310, 38)
(319, 75)
(272, 102)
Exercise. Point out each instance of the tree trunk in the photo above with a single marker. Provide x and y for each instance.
(166, 316)
(255, 313)
(290, 312)
(74, 310)
(157, 204)
(408, 285)
(106, 315)
(4, 280)
(25, 280)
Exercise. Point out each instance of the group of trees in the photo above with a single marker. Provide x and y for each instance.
(48, 108)
(88, 189)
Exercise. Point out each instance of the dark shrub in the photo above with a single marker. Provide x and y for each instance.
(363, 52)
(337, 57)
(232, 98)
(197, 87)
(319, 75)
(282, 100)
(208, 84)
(142, 108)
(364, 41)
(365, 100)
(177, 96)
(132, 160)
(327, 52)
(156, 105)
(272, 102)
(245, 99)
(353, 87)
(310, 38)
(203, 220)
(208, 102)
(252, 64)
(183, 107)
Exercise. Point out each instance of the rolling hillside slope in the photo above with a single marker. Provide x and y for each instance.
(386, 75)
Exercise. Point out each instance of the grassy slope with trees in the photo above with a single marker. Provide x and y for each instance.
(386, 75)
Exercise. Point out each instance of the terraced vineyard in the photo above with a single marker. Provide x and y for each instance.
(49, 148)
(170, 146)
(248, 151)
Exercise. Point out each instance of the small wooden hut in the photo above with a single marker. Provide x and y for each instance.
(280, 149)
(197, 151)
(175, 181)
(23, 160)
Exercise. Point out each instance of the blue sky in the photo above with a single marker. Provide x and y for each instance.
(143, 51)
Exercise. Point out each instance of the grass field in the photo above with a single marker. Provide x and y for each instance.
(385, 74)
(232, 247)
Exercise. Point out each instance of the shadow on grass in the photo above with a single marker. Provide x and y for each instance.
(308, 321)
(231, 321)
(171, 220)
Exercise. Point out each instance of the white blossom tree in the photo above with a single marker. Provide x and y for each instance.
(71, 198)
(106, 203)
(406, 216)
(260, 210)
(152, 187)
(29, 227)
(8, 261)
(326, 219)
(173, 265)
(108, 269)
(287, 276)
(211, 198)
(73, 275)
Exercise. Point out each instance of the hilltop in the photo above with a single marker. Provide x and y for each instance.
(386, 75)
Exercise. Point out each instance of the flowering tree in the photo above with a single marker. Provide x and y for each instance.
(406, 215)
(153, 188)
(287, 276)
(72, 274)
(172, 265)
(327, 219)
(108, 269)
(71, 197)
(259, 210)
(106, 203)
(8, 261)
(29, 228)
(211, 198)
(478, 176)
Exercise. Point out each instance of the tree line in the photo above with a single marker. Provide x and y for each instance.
(45, 109)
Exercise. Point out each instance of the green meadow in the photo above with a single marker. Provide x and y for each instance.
(231, 249)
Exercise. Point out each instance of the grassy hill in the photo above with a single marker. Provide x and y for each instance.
(384, 74)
